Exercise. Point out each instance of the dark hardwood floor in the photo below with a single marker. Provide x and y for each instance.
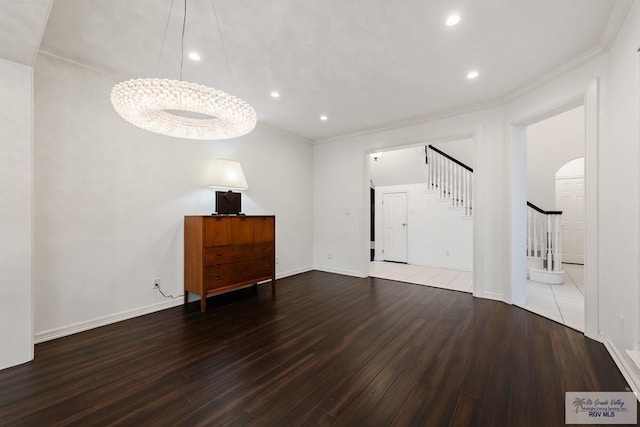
(327, 350)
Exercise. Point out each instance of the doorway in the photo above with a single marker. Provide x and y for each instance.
(436, 242)
(551, 144)
(518, 193)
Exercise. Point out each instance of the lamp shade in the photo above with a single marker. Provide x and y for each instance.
(227, 174)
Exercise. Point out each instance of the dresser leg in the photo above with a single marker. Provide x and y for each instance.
(186, 298)
(273, 286)
(203, 303)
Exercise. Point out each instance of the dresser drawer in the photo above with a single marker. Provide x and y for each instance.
(234, 253)
(217, 231)
(223, 274)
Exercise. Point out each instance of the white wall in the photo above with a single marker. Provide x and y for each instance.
(395, 167)
(16, 315)
(550, 144)
(408, 165)
(572, 169)
(437, 234)
(341, 194)
(110, 200)
(619, 156)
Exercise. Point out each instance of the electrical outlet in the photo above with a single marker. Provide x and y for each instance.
(277, 259)
(156, 283)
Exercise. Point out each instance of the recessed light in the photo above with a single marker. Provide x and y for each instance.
(472, 74)
(323, 118)
(453, 20)
(275, 94)
(194, 56)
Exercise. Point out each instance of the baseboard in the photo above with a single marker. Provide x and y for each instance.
(339, 271)
(491, 296)
(629, 371)
(64, 331)
(293, 272)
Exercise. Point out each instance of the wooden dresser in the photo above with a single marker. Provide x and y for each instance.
(227, 252)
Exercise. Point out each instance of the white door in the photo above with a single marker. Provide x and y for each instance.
(570, 200)
(395, 226)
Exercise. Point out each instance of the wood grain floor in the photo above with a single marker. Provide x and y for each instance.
(327, 350)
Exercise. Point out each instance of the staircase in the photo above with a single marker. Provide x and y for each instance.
(544, 252)
(453, 180)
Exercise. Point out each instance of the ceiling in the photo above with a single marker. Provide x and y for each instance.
(21, 23)
(364, 64)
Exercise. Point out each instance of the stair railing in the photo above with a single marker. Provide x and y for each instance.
(451, 178)
(544, 237)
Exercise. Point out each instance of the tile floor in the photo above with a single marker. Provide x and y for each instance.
(562, 303)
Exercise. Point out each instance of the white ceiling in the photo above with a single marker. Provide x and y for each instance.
(363, 63)
(21, 23)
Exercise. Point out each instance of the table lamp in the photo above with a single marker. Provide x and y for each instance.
(227, 174)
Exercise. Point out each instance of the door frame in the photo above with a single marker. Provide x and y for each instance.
(475, 133)
(517, 208)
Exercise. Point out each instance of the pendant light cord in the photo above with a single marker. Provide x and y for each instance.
(164, 38)
(184, 24)
(224, 49)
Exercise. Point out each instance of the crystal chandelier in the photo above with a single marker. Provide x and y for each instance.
(182, 109)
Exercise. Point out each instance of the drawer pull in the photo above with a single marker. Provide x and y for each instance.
(219, 277)
(219, 255)
(217, 266)
(264, 249)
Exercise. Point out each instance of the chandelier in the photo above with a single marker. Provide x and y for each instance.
(182, 109)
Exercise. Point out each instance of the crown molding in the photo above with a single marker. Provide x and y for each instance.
(575, 62)
(414, 121)
(42, 28)
(285, 132)
(80, 65)
(612, 28)
(616, 19)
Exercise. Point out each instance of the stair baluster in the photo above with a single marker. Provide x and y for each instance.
(544, 237)
(453, 180)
